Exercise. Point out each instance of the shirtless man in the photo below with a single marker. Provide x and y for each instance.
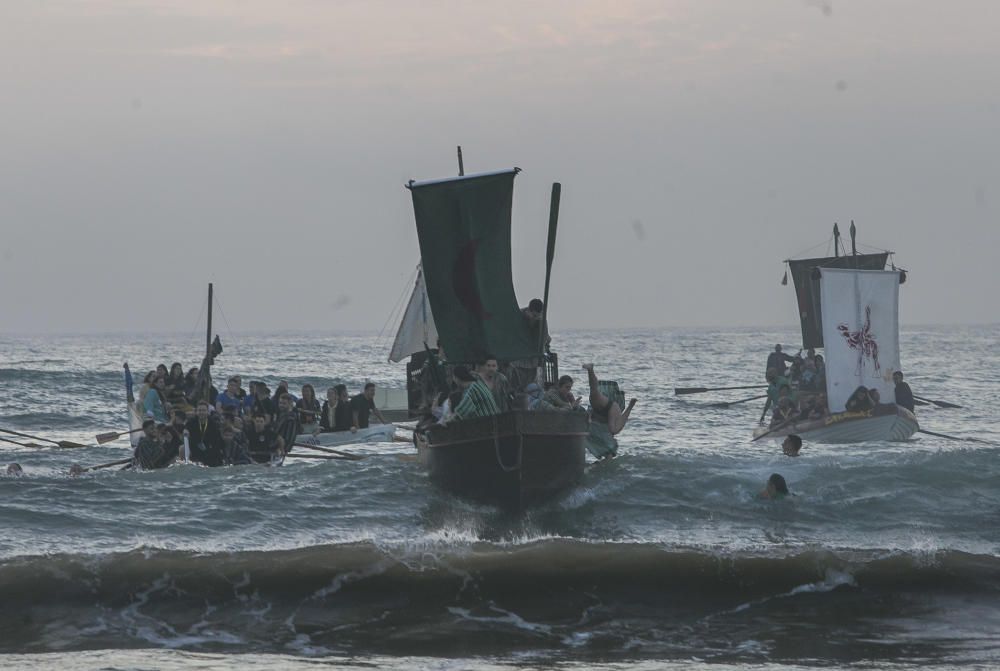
(607, 418)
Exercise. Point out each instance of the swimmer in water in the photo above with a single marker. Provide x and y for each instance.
(775, 489)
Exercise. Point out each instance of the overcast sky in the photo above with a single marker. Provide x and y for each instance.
(147, 148)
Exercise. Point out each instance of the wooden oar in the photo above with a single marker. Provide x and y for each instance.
(940, 404)
(777, 428)
(944, 435)
(14, 442)
(112, 435)
(60, 443)
(119, 462)
(318, 456)
(321, 448)
(699, 390)
(726, 404)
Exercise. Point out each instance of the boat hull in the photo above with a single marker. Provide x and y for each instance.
(376, 433)
(886, 422)
(514, 460)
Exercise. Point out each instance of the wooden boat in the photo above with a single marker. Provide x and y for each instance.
(518, 458)
(376, 433)
(514, 460)
(849, 306)
(885, 422)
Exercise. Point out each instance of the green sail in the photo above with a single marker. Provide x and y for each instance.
(463, 225)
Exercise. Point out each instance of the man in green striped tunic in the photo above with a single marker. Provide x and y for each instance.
(477, 399)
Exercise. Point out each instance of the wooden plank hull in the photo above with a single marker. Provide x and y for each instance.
(514, 460)
(886, 422)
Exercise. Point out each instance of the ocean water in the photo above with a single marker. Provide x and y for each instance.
(888, 555)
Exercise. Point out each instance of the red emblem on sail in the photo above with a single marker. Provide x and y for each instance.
(463, 280)
(863, 341)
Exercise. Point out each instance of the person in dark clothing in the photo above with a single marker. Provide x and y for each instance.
(777, 359)
(362, 406)
(337, 414)
(149, 451)
(532, 316)
(205, 437)
(287, 426)
(234, 451)
(904, 396)
(860, 401)
(262, 403)
(263, 443)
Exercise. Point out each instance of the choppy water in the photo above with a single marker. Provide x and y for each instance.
(888, 555)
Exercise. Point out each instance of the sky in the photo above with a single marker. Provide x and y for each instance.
(151, 147)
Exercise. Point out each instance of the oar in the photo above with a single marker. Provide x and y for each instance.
(60, 443)
(777, 428)
(78, 470)
(318, 456)
(14, 442)
(699, 390)
(726, 404)
(320, 448)
(112, 435)
(940, 404)
(944, 435)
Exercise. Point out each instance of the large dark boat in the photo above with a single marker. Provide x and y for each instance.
(520, 457)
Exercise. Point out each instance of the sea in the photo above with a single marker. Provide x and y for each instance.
(886, 556)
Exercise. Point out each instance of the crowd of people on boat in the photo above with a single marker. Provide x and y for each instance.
(796, 389)
(184, 418)
(453, 393)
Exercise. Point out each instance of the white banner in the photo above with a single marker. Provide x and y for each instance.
(417, 326)
(860, 311)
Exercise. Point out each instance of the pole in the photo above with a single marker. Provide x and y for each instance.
(550, 253)
(854, 233)
(208, 333)
(461, 165)
(836, 240)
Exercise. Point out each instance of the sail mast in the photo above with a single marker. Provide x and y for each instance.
(549, 255)
(208, 333)
(461, 165)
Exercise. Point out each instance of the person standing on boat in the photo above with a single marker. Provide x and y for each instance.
(205, 437)
(904, 396)
(362, 406)
(775, 384)
(777, 359)
(153, 403)
(308, 409)
(477, 399)
(488, 371)
(533, 318)
(607, 418)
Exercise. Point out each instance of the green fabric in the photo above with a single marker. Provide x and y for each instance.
(477, 401)
(464, 230)
(614, 393)
(600, 442)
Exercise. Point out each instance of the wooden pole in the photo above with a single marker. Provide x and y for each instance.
(461, 165)
(208, 333)
(550, 253)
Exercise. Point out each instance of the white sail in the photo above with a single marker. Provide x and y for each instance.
(417, 326)
(860, 332)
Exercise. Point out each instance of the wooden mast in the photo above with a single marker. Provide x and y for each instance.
(208, 332)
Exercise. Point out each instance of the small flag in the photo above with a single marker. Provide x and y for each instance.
(784, 279)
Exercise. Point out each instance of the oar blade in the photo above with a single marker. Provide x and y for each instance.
(679, 391)
(107, 437)
(69, 444)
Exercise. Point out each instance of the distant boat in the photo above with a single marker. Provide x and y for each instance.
(518, 458)
(849, 306)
